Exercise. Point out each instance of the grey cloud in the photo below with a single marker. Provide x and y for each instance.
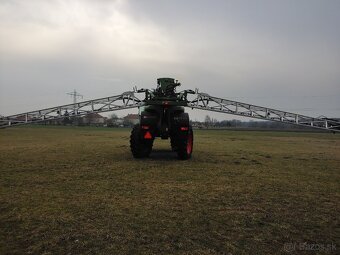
(283, 54)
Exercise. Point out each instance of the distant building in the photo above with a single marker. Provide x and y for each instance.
(120, 121)
(22, 118)
(197, 124)
(93, 119)
(131, 119)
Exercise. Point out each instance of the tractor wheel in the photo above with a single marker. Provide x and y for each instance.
(140, 147)
(185, 146)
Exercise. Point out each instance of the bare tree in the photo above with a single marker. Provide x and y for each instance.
(207, 120)
(112, 120)
(113, 117)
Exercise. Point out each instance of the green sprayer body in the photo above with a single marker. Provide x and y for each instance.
(163, 116)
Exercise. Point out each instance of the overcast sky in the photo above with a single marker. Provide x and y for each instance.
(280, 54)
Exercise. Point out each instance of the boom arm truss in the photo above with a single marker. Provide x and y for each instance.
(206, 102)
(201, 101)
(126, 100)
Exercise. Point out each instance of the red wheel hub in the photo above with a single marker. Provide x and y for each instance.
(189, 144)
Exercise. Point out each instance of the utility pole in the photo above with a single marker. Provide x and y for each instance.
(75, 95)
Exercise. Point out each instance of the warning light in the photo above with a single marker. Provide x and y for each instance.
(147, 135)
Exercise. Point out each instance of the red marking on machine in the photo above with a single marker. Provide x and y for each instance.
(147, 135)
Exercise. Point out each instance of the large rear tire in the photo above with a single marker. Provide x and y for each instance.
(185, 146)
(140, 148)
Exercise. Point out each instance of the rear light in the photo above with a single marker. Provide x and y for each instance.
(145, 127)
(184, 128)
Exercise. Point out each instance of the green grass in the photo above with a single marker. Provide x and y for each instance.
(79, 191)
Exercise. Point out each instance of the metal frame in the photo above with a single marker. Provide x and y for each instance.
(206, 102)
(126, 100)
(201, 101)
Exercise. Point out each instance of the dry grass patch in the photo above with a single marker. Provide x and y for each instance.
(79, 191)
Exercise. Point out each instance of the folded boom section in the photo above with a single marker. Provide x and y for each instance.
(201, 101)
(206, 102)
(124, 101)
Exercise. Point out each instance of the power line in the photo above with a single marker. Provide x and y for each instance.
(75, 95)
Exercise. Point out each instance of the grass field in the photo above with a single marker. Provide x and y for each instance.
(79, 191)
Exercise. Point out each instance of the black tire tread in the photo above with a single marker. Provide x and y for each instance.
(181, 147)
(139, 148)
